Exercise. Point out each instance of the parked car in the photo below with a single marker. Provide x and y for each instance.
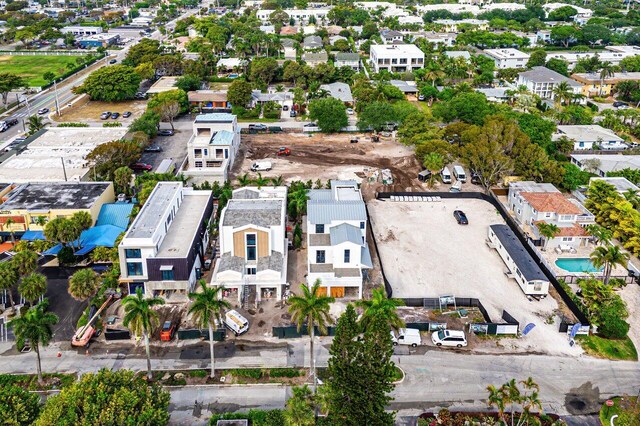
(105, 115)
(8, 123)
(42, 111)
(350, 111)
(141, 167)
(113, 61)
(115, 115)
(449, 338)
(311, 125)
(283, 151)
(153, 148)
(259, 127)
(165, 132)
(421, 97)
(292, 113)
(141, 95)
(285, 107)
(168, 331)
(261, 166)
(406, 336)
(127, 114)
(620, 104)
(236, 322)
(461, 218)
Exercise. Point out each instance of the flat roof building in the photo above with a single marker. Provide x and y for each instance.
(508, 58)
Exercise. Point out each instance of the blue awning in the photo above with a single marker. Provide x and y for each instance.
(86, 249)
(53, 250)
(33, 236)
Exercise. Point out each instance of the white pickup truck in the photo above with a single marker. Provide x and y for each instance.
(261, 166)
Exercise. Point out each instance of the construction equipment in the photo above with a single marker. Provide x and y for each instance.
(85, 333)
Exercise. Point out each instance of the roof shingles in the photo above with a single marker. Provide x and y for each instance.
(550, 202)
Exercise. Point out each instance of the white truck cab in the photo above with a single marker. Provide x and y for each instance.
(261, 166)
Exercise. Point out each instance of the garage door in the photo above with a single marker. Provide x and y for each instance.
(337, 291)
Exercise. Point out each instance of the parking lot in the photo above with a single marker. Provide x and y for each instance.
(425, 253)
(173, 147)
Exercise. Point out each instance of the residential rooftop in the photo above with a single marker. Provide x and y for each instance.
(260, 212)
(520, 256)
(588, 132)
(610, 163)
(508, 53)
(396, 50)
(215, 117)
(621, 184)
(185, 225)
(55, 195)
(545, 75)
(551, 202)
(151, 214)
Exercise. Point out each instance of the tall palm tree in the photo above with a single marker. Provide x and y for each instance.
(562, 93)
(35, 326)
(277, 181)
(606, 70)
(548, 231)
(83, 284)
(35, 123)
(297, 202)
(299, 411)
(25, 262)
(434, 162)
(311, 309)
(433, 72)
(8, 225)
(496, 399)
(8, 279)
(601, 234)
(206, 308)
(141, 318)
(608, 257)
(380, 304)
(244, 180)
(33, 287)
(633, 197)
(261, 181)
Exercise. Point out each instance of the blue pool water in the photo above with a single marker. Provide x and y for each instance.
(580, 264)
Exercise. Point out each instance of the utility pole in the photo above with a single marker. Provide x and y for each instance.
(55, 90)
(64, 170)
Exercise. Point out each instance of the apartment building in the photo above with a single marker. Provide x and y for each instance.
(391, 36)
(591, 136)
(253, 244)
(337, 249)
(593, 85)
(348, 59)
(81, 31)
(213, 146)
(396, 57)
(163, 250)
(542, 81)
(508, 58)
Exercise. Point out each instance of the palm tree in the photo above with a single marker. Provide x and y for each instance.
(83, 284)
(206, 308)
(606, 70)
(33, 286)
(299, 411)
(35, 123)
(244, 180)
(35, 326)
(277, 181)
(8, 226)
(298, 202)
(434, 162)
(261, 181)
(25, 262)
(548, 231)
(311, 309)
(140, 318)
(632, 196)
(497, 398)
(608, 257)
(601, 234)
(529, 400)
(562, 93)
(8, 279)
(433, 73)
(380, 304)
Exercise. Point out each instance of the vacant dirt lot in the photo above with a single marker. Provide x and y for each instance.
(86, 110)
(325, 157)
(427, 254)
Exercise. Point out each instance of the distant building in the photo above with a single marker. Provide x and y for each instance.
(209, 100)
(340, 91)
(81, 31)
(163, 84)
(396, 57)
(213, 146)
(163, 251)
(347, 59)
(253, 244)
(541, 81)
(590, 136)
(438, 39)
(98, 40)
(391, 36)
(594, 86)
(312, 43)
(453, 26)
(314, 59)
(337, 249)
(289, 48)
(605, 163)
(508, 58)
(407, 87)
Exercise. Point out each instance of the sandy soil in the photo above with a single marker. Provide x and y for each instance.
(631, 295)
(325, 157)
(86, 110)
(427, 254)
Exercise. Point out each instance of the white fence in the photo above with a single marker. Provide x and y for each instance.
(45, 52)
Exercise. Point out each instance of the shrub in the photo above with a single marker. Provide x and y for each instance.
(66, 256)
(286, 372)
(255, 417)
(198, 373)
(253, 373)
(611, 325)
(112, 124)
(73, 125)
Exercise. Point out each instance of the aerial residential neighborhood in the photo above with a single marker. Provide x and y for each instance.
(292, 213)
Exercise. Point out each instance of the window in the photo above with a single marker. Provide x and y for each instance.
(212, 163)
(537, 286)
(206, 152)
(198, 164)
(36, 219)
(167, 275)
(361, 225)
(320, 256)
(197, 153)
(251, 271)
(567, 238)
(347, 256)
(251, 246)
(319, 228)
(132, 253)
(226, 153)
(134, 268)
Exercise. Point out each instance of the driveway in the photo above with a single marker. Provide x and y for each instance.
(631, 295)
(62, 304)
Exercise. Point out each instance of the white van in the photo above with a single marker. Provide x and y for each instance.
(261, 166)
(458, 172)
(407, 336)
(236, 322)
(446, 175)
(449, 338)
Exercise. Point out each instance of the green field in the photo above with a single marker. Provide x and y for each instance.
(32, 68)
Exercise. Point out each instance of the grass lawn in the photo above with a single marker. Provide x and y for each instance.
(607, 412)
(622, 349)
(32, 68)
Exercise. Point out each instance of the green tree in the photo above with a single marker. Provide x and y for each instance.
(188, 83)
(147, 123)
(108, 157)
(122, 179)
(558, 65)
(239, 93)
(9, 82)
(564, 13)
(8, 279)
(300, 407)
(311, 309)
(145, 71)
(25, 262)
(33, 286)
(146, 50)
(206, 309)
(35, 123)
(110, 84)
(548, 231)
(141, 319)
(375, 116)
(380, 304)
(108, 398)
(48, 76)
(606, 70)
(563, 34)
(469, 107)
(297, 201)
(19, 406)
(608, 257)
(434, 162)
(35, 327)
(263, 70)
(601, 235)
(329, 113)
(84, 284)
(537, 58)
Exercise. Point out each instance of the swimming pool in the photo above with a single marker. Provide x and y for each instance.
(576, 264)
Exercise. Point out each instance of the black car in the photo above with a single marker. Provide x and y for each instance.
(153, 148)
(127, 114)
(461, 218)
(115, 115)
(285, 108)
(618, 104)
(165, 132)
(113, 61)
